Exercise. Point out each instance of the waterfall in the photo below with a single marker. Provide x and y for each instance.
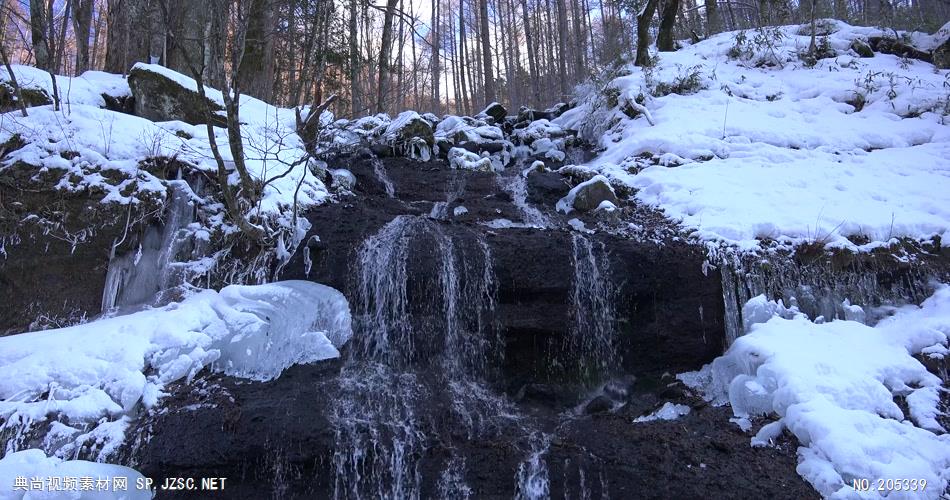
(380, 170)
(593, 295)
(532, 479)
(517, 186)
(425, 305)
(138, 277)
(456, 308)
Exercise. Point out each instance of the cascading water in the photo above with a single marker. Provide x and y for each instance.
(138, 277)
(591, 342)
(516, 185)
(380, 170)
(411, 328)
(533, 479)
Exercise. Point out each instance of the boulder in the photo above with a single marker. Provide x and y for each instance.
(941, 56)
(160, 98)
(409, 125)
(31, 96)
(495, 111)
(588, 195)
(861, 48)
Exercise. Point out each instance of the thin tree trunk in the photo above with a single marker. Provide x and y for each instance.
(385, 49)
(436, 46)
(532, 55)
(486, 53)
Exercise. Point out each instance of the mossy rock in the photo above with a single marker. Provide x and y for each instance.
(161, 99)
(31, 96)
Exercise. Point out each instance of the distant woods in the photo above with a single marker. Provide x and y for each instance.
(388, 55)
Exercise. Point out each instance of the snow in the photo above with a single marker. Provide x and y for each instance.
(669, 411)
(99, 372)
(466, 160)
(84, 89)
(108, 481)
(84, 140)
(833, 385)
(779, 152)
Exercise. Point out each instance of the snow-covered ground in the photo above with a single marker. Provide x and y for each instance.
(95, 146)
(31, 474)
(835, 386)
(84, 381)
(764, 147)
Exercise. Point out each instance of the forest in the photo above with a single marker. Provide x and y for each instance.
(447, 56)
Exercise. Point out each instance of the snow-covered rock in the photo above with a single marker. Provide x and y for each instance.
(588, 195)
(495, 111)
(466, 160)
(161, 96)
(95, 374)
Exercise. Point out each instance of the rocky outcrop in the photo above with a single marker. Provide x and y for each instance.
(160, 98)
(941, 55)
(888, 45)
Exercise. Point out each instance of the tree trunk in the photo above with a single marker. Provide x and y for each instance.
(643, 33)
(256, 72)
(664, 39)
(561, 48)
(532, 55)
(82, 25)
(436, 46)
(354, 49)
(713, 23)
(39, 27)
(385, 49)
(486, 53)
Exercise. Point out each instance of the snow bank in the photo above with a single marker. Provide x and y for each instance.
(98, 372)
(51, 477)
(851, 146)
(834, 387)
(87, 88)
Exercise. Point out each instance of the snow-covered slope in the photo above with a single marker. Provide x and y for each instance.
(103, 149)
(766, 147)
(835, 386)
(87, 378)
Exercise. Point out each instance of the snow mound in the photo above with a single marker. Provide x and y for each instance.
(108, 481)
(669, 411)
(775, 149)
(98, 372)
(88, 88)
(834, 386)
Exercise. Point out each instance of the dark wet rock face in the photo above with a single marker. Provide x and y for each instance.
(485, 330)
